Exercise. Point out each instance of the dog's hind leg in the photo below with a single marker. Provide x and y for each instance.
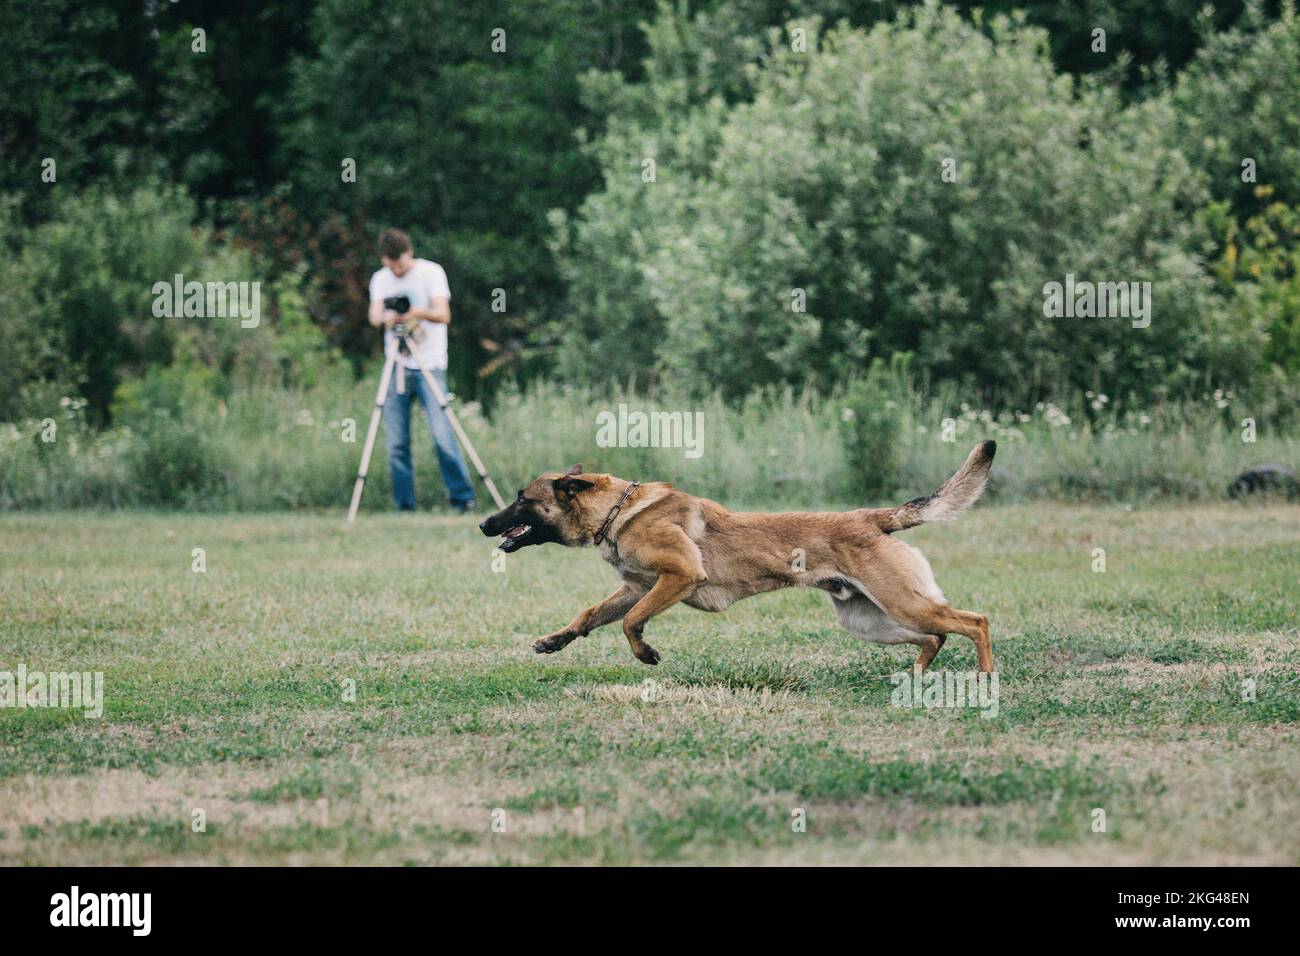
(606, 612)
(863, 618)
(930, 645)
(919, 613)
(897, 577)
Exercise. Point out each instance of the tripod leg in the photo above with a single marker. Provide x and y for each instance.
(441, 398)
(375, 415)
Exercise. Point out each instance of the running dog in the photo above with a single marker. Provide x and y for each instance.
(669, 546)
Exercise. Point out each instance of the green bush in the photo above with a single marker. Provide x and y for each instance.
(871, 425)
(163, 390)
(174, 464)
(301, 350)
(1259, 272)
(31, 350)
(794, 237)
(88, 277)
(1237, 101)
(90, 271)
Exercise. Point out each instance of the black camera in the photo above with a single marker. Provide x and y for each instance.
(400, 304)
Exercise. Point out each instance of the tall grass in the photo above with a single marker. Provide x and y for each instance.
(270, 449)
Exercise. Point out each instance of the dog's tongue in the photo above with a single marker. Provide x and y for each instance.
(516, 531)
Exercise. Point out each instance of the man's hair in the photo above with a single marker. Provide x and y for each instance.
(393, 242)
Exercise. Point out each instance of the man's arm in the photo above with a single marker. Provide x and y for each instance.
(382, 318)
(439, 311)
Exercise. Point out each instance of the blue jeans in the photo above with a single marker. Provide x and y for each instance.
(397, 434)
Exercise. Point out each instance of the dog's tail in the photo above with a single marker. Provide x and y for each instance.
(954, 496)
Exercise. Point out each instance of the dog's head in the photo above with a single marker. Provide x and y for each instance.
(548, 510)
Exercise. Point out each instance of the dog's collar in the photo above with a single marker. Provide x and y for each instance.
(613, 512)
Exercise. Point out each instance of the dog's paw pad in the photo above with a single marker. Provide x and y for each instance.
(649, 656)
(549, 645)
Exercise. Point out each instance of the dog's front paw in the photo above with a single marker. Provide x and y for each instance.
(552, 643)
(647, 655)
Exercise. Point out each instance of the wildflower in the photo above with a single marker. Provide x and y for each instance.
(1055, 417)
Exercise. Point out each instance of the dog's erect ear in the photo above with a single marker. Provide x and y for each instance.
(571, 486)
(575, 470)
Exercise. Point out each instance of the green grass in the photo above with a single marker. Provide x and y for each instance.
(766, 735)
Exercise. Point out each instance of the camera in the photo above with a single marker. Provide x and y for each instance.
(398, 303)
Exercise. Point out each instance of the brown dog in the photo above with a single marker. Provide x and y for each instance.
(669, 546)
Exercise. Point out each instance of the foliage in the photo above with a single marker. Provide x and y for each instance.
(1237, 101)
(829, 185)
(1260, 271)
(30, 353)
(1238, 118)
(329, 257)
(465, 146)
(172, 464)
(264, 446)
(71, 92)
(90, 271)
(300, 348)
(871, 424)
(797, 233)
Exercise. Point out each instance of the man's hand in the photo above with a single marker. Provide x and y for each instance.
(439, 311)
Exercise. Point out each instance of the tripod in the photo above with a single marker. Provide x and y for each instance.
(390, 362)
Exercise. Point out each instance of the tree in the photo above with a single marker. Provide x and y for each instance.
(460, 120)
(909, 189)
(1237, 109)
(71, 91)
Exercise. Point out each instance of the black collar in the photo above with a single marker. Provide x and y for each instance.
(613, 512)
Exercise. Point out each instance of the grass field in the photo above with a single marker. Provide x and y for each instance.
(227, 692)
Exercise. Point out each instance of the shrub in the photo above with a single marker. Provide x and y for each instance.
(871, 425)
(173, 463)
(1259, 272)
(1237, 101)
(31, 350)
(90, 271)
(794, 237)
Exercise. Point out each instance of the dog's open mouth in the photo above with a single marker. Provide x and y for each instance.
(513, 536)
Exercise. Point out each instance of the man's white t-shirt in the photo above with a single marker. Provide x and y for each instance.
(423, 282)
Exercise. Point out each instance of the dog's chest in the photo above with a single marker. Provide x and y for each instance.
(707, 598)
(628, 571)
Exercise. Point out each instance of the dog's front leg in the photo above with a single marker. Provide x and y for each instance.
(608, 610)
(668, 590)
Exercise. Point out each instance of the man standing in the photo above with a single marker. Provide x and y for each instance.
(425, 284)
